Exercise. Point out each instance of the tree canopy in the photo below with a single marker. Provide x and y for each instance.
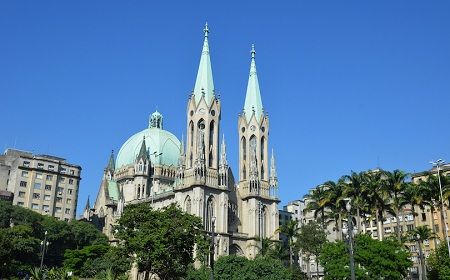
(161, 241)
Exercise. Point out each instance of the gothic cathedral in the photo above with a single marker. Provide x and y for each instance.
(153, 166)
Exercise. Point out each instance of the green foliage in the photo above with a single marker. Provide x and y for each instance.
(229, 267)
(22, 230)
(79, 261)
(239, 268)
(439, 261)
(161, 240)
(311, 238)
(374, 259)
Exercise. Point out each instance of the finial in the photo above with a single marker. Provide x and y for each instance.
(253, 52)
(206, 30)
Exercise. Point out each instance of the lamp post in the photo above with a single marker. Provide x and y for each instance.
(155, 154)
(350, 233)
(438, 163)
(212, 250)
(44, 245)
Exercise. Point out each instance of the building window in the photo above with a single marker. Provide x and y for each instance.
(59, 199)
(410, 227)
(35, 206)
(23, 183)
(21, 194)
(424, 217)
(62, 180)
(59, 191)
(36, 195)
(38, 175)
(24, 173)
(49, 177)
(72, 172)
(67, 211)
(48, 187)
(68, 201)
(51, 167)
(37, 186)
(47, 197)
(62, 170)
(26, 163)
(436, 228)
(40, 165)
(69, 191)
(71, 181)
(58, 209)
(45, 208)
(20, 203)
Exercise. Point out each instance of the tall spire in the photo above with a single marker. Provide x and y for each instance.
(253, 103)
(204, 85)
(87, 211)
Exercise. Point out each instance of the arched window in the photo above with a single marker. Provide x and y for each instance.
(244, 148)
(191, 133)
(209, 213)
(262, 171)
(262, 148)
(263, 221)
(139, 191)
(211, 143)
(244, 173)
(190, 160)
(187, 205)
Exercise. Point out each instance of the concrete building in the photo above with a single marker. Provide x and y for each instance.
(46, 184)
(154, 166)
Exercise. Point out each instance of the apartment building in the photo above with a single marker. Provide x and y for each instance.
(44, 183)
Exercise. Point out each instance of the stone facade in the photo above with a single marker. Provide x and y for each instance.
(199, 180)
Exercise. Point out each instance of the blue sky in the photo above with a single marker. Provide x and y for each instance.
(349, 85)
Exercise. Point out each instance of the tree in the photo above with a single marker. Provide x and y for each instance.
(78, 260)
(229, 267)
(420, 234)
(310, 240)
(439, 261)
(289, 229)
(396, 185)
(264, 269)
(161, 241)
(355, 190)
(374, 259)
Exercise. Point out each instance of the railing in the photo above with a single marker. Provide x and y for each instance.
(261, 188)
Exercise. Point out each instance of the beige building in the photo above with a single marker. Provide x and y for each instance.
(154, 166)
(46, 184)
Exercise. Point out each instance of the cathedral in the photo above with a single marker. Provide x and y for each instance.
(155, 167)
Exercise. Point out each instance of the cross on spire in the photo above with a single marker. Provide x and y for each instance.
(206, 30)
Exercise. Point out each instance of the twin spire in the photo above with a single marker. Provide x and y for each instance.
(204, 84)
(253, 103)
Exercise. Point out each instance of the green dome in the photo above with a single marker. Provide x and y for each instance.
(157, 140)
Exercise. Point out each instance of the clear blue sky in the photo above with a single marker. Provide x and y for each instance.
(349, 85)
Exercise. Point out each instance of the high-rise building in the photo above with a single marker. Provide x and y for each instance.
(46, 184)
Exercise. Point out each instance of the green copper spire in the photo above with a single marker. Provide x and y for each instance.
(204, 84)
(253, 103)
(143, 151)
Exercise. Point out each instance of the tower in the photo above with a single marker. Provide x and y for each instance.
(254, 185)
(200, 189)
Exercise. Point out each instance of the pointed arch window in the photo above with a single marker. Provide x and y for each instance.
(211, 143)
(209, 213)
(191, 133)
(188, 205)
(244, 148)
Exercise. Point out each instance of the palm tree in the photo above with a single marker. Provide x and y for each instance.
(420, 234)
(432, 198)
(318, 202)
(335, 204)
(414, 195)
(290, 230)
(376, 198)
(354, 189)
(395, 184)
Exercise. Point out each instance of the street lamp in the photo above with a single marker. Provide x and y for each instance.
(155, 154)
(212, 250)
(350, 232)
(438, 163)
(44, 245)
